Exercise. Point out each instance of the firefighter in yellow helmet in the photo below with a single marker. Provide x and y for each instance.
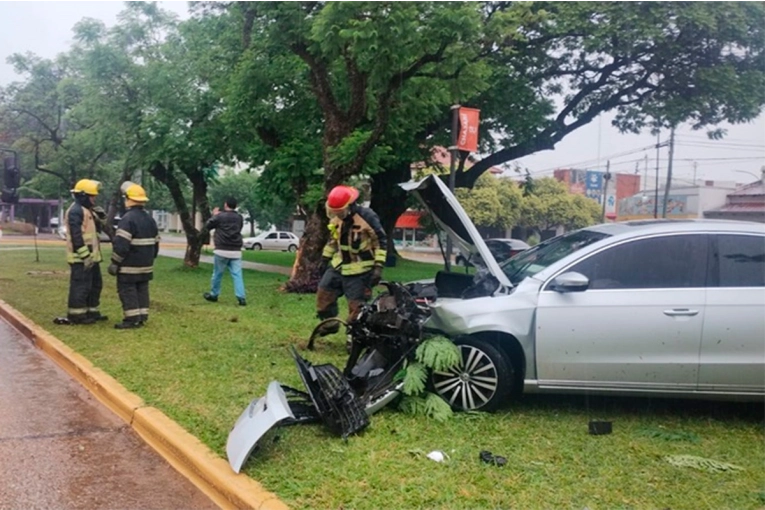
(83, 253)
(353, 257)
(134, 248)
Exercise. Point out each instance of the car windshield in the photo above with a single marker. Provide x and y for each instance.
(532, 261)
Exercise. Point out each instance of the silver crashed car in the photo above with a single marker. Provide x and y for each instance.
(661, 308)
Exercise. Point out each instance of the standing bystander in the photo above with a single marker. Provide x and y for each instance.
(228, 250)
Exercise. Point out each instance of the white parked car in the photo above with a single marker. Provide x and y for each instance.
(282, 241)
(672, 308)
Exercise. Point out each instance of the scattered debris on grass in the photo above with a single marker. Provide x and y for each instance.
(437, 455)
(600, 428)
(489, 458)
(702, 464)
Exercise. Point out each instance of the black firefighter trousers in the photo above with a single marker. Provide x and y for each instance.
(84, 291)
(134, 297)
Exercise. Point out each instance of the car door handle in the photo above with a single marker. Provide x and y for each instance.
(681, 312)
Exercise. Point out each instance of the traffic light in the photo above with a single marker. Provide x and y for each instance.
(11, 180)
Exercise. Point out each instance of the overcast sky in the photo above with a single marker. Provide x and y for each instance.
(45, 28)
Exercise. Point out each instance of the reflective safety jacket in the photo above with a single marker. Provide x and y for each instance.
(357, 243)
(81, 234)
(135, 246)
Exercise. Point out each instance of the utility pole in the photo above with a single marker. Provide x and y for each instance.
(656, 187)
(452, 175)
(645, 175)
(606, 178)
(669, 170)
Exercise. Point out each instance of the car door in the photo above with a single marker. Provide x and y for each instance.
(733, 343)
(271, 242)
(638, 325)
(285, 239)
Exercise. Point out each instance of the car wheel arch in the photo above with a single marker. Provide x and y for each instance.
(453, 386)
(510, 347)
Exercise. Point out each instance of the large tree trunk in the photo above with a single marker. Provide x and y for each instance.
(305, 273)
(194, 243)
(389, 201)
(194, 238)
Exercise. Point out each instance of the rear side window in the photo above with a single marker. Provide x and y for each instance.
(741, 260)
(665, 262)
(284, 235)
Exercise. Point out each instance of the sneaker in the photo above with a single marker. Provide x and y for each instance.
(242, 301)
(128, 325)
(210, 297)
(98, 317)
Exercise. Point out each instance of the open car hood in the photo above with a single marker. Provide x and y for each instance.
(451, 217)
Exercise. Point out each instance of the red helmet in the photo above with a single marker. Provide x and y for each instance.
(339, 199)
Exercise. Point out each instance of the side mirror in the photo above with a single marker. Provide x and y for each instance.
(570, 282)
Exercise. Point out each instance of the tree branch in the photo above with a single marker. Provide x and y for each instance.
(320, 83)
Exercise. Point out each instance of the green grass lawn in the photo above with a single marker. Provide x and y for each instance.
(201, 363)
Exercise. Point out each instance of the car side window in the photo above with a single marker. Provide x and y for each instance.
(678, 261)
(741, 260)
(272, 236)
(284, 235)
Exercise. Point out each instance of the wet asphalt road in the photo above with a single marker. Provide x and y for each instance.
(62, 449)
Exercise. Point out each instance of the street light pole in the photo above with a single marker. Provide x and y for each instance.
(452, 174)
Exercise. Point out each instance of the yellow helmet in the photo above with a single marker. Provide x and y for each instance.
(136, 193)
(87, 186)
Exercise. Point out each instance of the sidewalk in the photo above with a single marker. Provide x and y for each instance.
(62, 449)
(269, 268)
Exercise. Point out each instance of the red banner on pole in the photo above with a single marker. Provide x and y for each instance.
(468, 137)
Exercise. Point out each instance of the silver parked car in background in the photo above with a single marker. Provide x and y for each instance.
(662, 308)
(282, 241)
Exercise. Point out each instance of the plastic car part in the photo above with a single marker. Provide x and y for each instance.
(258, 418)
(338, 406)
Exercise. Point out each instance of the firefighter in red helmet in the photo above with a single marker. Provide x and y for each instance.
(353, 257)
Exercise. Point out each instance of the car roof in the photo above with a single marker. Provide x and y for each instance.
(658, 226)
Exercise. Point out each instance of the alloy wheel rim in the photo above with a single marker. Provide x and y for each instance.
(470, 384)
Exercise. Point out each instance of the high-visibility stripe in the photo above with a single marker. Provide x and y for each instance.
(132, 313)
(93, 310)
(143, 242)
(117, 258)
(83, 251)
(78, 311)
(355, 268)
(124, 234)
(380, 256)
(144, 311)
(136, 270)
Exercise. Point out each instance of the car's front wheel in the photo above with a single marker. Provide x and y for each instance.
(256, 247)
(481, 381)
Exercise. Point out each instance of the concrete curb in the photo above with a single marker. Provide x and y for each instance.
(209, 472)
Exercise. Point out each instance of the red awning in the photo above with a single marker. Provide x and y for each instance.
(410, 219)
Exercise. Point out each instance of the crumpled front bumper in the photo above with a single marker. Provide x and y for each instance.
(259, 417)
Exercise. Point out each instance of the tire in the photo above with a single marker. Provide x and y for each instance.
(292, 248)
(257, 247)
(486, 384)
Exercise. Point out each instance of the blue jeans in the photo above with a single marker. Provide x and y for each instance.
(234, 268)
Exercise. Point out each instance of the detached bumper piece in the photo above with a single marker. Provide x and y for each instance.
(336, 403)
